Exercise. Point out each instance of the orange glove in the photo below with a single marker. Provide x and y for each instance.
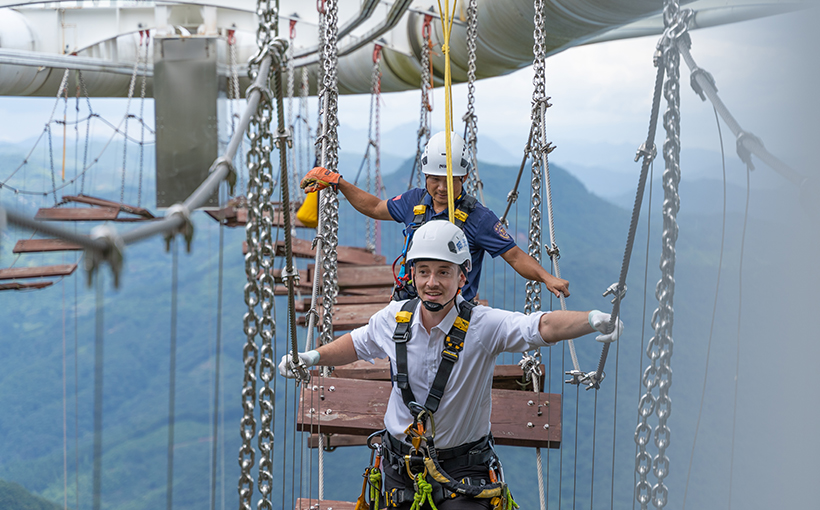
(318, 179)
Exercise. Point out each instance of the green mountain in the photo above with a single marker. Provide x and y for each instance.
(39, 327)
(14, 496)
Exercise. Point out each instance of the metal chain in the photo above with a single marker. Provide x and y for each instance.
(659, 373)
(425, 108)
(293, 170)
(372, 141)
(233, 98)
(267, 326)
(533, 288)
(304, 123)
(259, 285)
(472, 185)
(125, 128)
(330, 147)
(142, 120)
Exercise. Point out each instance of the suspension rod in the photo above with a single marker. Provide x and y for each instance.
(750, 143)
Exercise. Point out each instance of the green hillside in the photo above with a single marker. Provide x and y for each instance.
(590, 233)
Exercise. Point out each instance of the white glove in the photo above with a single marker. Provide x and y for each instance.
(600, 321)
(286, 368)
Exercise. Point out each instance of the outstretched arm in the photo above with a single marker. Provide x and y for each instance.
(565, 325)
(338, 352)
(527, 267)
(364, 202)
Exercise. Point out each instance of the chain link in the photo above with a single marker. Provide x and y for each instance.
(423, 134)
(142, 110)
(373, 141)
(330, 148)
(472, 185)
(533, 288)
(259, 285)
(659, 373)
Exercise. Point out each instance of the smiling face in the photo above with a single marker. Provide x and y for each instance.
(437, 188)
(437, 281)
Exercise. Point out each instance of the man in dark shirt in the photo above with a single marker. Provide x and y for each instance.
(484, 231)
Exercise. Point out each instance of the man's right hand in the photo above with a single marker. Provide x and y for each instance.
(286, 368)
(318, 179)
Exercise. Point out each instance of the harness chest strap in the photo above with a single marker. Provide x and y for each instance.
(453, 344)
(463, 210)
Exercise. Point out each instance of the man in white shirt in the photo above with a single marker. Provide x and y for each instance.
(438, 331)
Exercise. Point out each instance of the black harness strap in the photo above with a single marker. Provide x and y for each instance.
(453, 345)
(401, 336)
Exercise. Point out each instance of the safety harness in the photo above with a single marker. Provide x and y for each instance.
(404, 288)
(424, 463)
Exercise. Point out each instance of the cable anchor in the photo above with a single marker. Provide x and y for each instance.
(553, 252)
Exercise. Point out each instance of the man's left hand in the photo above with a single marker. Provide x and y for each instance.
(318, 179)
(600, 321)
(557, 286)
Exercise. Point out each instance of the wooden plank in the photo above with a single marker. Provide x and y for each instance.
(303, 305)
(333, 441)
(356, 407)
(345, 254)
(505, 377)
(85, 199)
(347, 317)
(77, 214)
(44, 245)
(324, 504)
(25, 286)
(14, 273)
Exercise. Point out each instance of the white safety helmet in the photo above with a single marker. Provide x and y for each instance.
(440, 240)
(434, 159)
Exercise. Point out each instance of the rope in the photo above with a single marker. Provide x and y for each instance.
(172, 376)
(643, 313)
(714, 314)
(737, 348)
(424, 493)
(217, 361)
(96, 476)
(446, 27)
(65, 410)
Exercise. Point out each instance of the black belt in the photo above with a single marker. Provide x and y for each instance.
(467, 454)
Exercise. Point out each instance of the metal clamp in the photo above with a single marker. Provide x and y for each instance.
(646, 153)
(743, 152)
(553, 251)
(113, 253)
(588, 379)
(231, 177)
(618, 293)
(300, 370)
(693, 81)
(186, 229)
(285, 135)
(288, 275)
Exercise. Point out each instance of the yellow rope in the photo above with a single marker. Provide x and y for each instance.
(446, 27)
(424, 494)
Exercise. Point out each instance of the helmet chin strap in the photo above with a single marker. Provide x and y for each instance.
(436, 307)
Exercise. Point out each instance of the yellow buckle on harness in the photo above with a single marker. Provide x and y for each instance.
(419, 209)
(461, 324)
(404, 316)
(460, 215)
